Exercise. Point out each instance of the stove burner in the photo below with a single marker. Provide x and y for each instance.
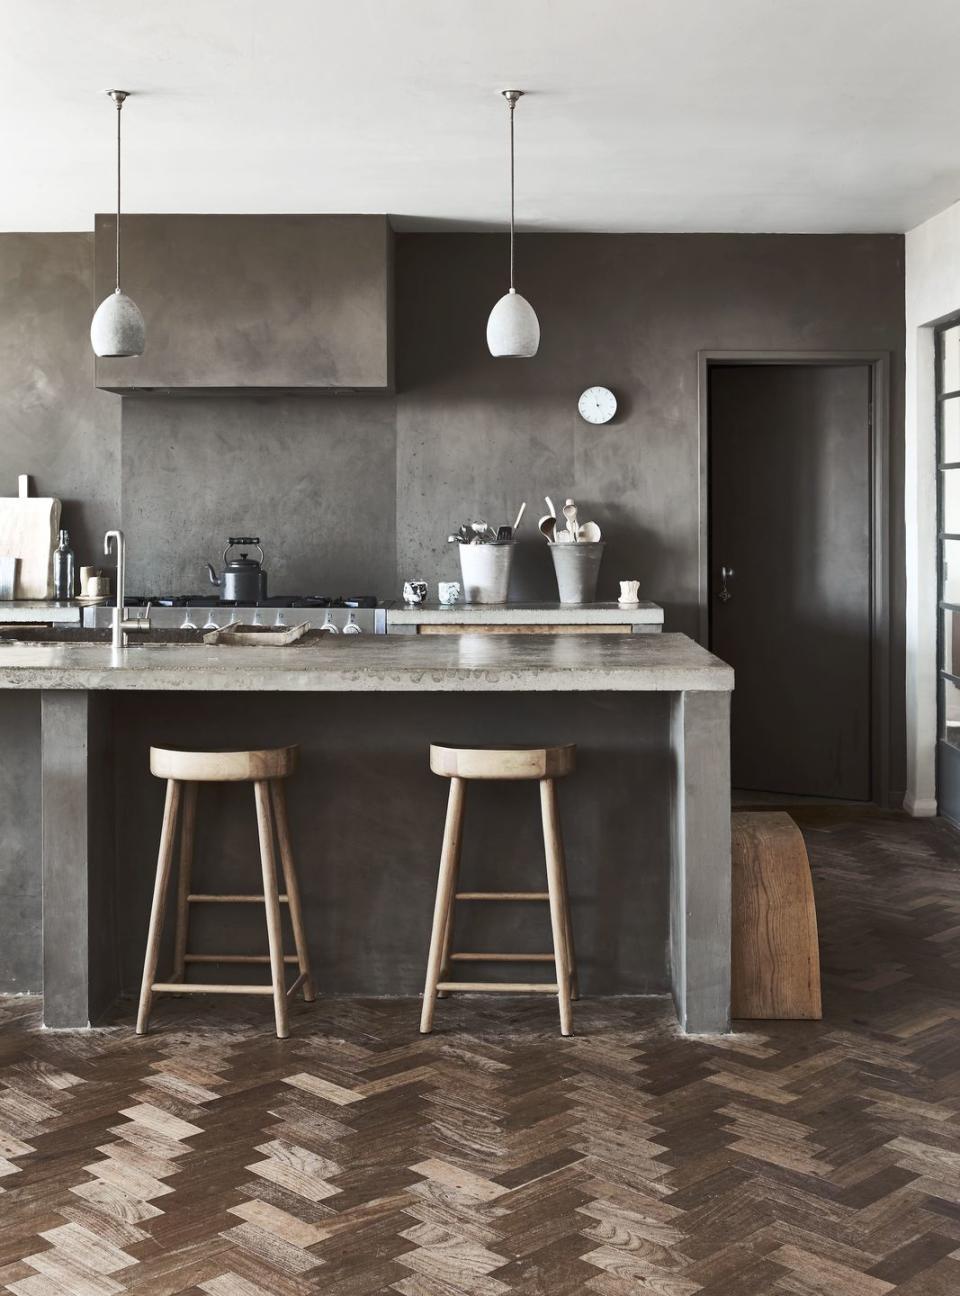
(277, 601)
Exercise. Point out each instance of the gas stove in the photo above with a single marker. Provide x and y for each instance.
(340, 614)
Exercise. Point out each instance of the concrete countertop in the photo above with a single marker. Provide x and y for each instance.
(40, 611)
(383, 663)
(526, 614)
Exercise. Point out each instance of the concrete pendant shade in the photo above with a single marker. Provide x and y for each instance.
(117, 328)
(513, 328)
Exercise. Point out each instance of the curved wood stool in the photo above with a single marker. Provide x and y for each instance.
(184, 771)
(459, 765)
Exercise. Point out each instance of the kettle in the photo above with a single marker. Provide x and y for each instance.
(243, 579)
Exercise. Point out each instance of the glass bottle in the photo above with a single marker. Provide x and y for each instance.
(64, 584)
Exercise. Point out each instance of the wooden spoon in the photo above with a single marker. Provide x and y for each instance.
(570, 513)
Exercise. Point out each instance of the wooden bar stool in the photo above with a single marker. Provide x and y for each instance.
(459, 765)
(184, 771)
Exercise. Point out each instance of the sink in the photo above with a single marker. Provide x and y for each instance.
(57, 634)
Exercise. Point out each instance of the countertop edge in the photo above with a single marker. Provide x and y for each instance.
(448, 680)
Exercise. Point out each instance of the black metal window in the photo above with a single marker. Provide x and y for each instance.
(948, 527)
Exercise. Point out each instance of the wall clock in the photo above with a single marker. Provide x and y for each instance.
(597, 405)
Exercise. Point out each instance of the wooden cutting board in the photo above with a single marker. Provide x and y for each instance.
(28, 531)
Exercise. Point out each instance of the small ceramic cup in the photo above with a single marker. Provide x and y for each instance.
(449, 592)
(88, 574)
(629, 592)
(414, 592)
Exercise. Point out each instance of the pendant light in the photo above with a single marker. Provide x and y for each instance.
(513, 328)
(117, 328)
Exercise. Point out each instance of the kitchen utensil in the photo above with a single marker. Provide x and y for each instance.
(577, 567)
(28, 532)
(629, 593)
(486, 572)
(449, 592)
(516, 525)
(565, 537)
(548, 528)
(588, 533)
(549, 503)
(570, 513)
(504, 535)
(243, 579)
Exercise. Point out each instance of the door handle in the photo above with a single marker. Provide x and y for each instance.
(723, 594)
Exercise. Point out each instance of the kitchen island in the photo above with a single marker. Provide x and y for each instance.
(647, 813)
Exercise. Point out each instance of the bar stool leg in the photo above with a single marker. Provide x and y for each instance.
(553, 850)
(447, 939)
(164, 860)
(279, 795)
(187, 826)
(448, 934)
(271, 903)
(568, 921)
(446, 884)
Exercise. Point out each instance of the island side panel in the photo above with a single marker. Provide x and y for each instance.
(80, 965)
(700, 861)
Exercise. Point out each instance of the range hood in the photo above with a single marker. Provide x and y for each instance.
(253, 304)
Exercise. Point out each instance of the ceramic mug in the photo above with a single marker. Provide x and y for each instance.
(414, 592)
(449, 592)
(629, 592)
(87, 574)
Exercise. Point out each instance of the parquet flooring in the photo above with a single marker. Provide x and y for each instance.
(815, 1159)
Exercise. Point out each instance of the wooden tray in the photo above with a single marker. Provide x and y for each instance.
(258, 636)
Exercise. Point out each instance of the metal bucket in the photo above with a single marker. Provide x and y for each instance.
(577, 567)
(485, 569)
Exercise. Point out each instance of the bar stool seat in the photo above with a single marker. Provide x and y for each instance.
(223, 766)
(184, 771)
(502, 762)
(461, 764)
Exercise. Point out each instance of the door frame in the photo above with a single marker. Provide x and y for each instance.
(878, 363)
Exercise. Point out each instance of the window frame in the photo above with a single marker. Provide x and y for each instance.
(944, 605)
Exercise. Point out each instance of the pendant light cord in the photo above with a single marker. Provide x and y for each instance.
(119, 109)
(513, 105)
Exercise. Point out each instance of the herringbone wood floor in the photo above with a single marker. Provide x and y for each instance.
(496, 1158)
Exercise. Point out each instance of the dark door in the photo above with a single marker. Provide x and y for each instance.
(789, 472)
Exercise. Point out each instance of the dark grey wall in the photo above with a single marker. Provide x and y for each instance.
(54, 424)
(362, 491)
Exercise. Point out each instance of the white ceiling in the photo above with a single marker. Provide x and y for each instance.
(795, 115)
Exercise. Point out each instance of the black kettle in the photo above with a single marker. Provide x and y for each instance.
(243, 579)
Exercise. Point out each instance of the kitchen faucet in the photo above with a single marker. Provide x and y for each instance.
(121, 626)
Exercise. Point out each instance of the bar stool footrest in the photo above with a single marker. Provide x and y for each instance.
(499, 987)
(502, 958)
(235, 958)
(231, 899)
(502, 895)
(195, 987)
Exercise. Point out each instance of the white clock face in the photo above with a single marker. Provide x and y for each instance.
(597, 405)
